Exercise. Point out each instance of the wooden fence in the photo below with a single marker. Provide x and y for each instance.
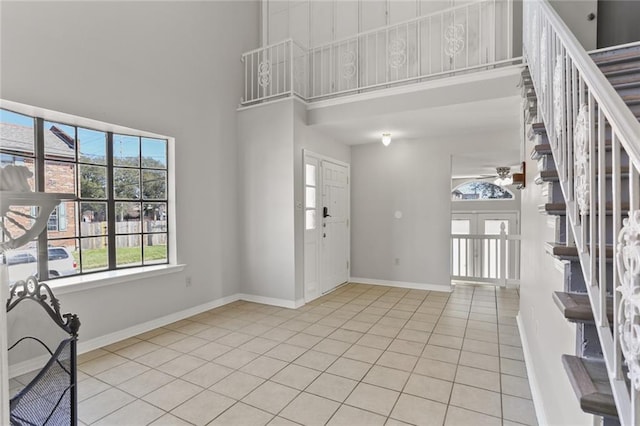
(128, 234)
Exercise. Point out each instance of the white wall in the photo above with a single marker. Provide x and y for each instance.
(153, 66)
(545, 331)
(272, 138)
(574, 14)
(309, 138)
(265, 137)
(312, 23)
(413, 177)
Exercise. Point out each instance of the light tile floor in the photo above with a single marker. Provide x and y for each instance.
(362, 355)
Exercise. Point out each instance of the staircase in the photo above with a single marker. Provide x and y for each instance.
(587, 370)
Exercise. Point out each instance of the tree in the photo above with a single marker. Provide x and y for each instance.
(482, 190)
(126, 184)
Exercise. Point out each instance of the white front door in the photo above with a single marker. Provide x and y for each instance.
(335, 225)
(326, 224)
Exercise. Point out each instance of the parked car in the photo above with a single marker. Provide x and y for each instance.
(23, 263)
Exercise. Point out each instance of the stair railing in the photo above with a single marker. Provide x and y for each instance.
(585, 118)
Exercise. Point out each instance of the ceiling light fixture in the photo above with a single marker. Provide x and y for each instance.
(386, 139)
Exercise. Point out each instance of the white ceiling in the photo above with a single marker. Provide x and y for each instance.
(481, 128)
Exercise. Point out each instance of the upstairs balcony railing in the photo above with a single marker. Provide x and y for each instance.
(472, 36)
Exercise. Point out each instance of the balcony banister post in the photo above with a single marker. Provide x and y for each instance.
(291, 70)
(503, 255)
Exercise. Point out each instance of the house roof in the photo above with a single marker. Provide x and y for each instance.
(20, 138)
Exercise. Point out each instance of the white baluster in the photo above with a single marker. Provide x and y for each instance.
(503, 255)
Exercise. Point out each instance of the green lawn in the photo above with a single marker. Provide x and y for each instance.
(97, 258)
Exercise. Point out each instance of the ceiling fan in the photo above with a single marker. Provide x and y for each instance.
(505, 177)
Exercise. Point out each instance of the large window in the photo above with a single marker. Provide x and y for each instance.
(117, 215)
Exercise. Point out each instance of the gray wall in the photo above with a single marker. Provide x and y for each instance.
(308, 138)
(314, 23)
(618, 22)
(267, 203)
(154, 66)
(574, 14)
(272, 138)
(413, 177)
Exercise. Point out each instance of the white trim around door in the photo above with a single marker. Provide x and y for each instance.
(326, 223)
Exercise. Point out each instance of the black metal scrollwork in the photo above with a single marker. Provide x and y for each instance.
(32, 289)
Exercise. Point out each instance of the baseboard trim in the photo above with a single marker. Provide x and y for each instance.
(107, 339)
(273, 301)
(536, 392)
(101, 341)
(402, 284)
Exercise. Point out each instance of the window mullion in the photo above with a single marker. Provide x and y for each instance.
(111, 205)
(39, 178)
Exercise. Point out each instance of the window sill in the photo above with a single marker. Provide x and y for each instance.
(101, 279)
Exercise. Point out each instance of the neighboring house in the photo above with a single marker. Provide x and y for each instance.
(59, 177)
(173, 68)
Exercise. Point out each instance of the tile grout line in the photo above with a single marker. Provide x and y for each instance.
(367, 372)
(321, 370)
(446, 413)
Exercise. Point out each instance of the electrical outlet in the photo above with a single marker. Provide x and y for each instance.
(187, 282)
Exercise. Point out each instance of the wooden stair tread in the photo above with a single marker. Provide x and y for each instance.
(624, 79)
(540, 150)
(590, 382)
(560, 208)
(622, 66)
(576, 307)
(571, 252)
(626, 84)
(538, 128)
(621, 71)
(547, 176)
(615, 56)
(631, 99)
(552, 175)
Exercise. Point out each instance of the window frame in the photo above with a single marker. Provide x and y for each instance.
(53, 222)
(40, 157)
